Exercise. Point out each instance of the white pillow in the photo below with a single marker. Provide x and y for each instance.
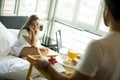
(14, 32)
(7, 40)
(13, 64)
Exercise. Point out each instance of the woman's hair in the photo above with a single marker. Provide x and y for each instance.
(114, 7)
(28, 23)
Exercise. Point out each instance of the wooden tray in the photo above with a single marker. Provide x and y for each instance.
(31, 59)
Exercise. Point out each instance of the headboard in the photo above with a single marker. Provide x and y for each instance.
(15, 22)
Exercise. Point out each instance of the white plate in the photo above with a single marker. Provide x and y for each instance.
(61, 61)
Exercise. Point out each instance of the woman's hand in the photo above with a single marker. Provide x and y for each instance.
(33, 37)
(31, 29)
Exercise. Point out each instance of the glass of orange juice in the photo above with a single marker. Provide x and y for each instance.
(72, 54)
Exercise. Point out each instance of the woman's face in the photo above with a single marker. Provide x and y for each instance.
(34, 25)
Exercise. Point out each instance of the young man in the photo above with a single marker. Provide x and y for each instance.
(101, 59)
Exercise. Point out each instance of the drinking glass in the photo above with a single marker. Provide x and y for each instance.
(72, 55)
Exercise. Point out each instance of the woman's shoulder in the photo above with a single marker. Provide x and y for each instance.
(24, 30)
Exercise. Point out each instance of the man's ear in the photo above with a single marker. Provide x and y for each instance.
(106, 16)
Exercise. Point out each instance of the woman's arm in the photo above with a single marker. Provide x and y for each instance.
(33, 38)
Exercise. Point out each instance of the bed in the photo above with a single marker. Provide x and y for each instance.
(12, 67)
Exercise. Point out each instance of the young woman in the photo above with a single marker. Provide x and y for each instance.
(28, 39)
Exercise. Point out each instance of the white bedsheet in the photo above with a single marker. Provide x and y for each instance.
(12, 64)
(12, 67)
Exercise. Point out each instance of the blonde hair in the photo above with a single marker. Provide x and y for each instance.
(28, 22)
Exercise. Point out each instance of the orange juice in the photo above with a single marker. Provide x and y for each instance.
(72, 54)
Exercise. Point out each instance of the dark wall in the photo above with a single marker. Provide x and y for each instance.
(15, 22)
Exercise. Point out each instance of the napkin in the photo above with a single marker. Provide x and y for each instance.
(58, 67)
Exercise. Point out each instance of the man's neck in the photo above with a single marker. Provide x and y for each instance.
(115, 26)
